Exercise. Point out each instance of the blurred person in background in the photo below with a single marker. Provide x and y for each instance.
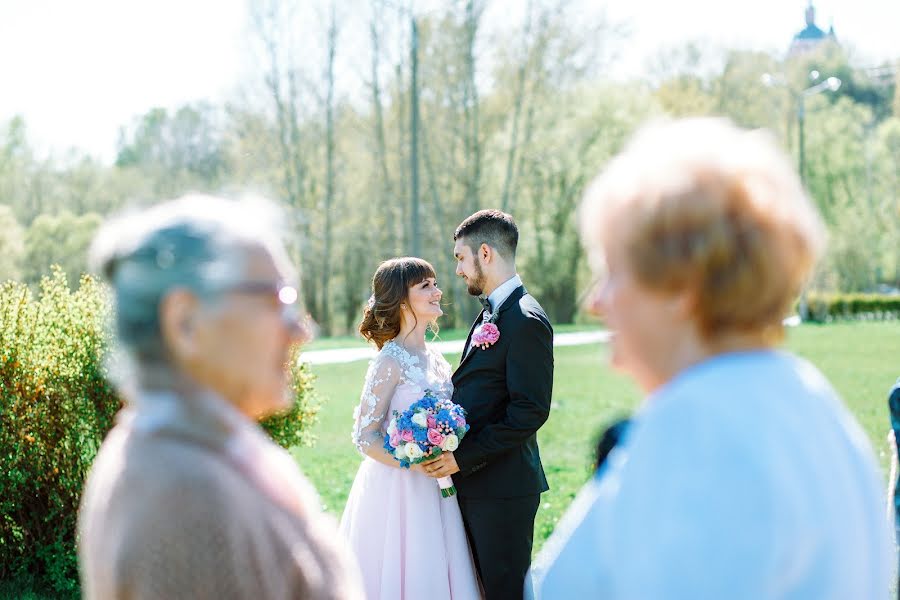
(894, 408)
(742, 475)
(188, 497)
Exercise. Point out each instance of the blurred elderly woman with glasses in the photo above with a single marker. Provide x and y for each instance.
(188, 498)
(742, 475)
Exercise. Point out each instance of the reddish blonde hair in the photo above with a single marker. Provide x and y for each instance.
(702, 206)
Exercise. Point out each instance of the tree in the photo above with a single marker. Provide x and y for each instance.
(886, 182)
(12, 245)
(62, 240)
(896, 103)
(179, 152)
(569, 149)
(330, 172)
(16, 166)
(683, 78)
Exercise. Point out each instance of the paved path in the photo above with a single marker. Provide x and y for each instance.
(578, 338)
(345, 355)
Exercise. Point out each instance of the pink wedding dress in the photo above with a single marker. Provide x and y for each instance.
(409, 541)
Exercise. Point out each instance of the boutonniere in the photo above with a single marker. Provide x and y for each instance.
(486, 335)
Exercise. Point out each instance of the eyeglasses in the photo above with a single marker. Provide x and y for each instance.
(287, 295)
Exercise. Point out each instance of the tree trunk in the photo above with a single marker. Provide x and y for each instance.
(517, 112)
(473, 155)
(386, 240)
(327, 275)
(415, 233)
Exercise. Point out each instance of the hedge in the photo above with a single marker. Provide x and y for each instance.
(828, 307)
(56, 405)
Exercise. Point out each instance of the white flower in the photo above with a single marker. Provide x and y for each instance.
(450, 443)
(392, 427)
(413, 451)
(420, 419)
(400, 452)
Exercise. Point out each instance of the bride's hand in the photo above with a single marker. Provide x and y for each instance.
(443, 466)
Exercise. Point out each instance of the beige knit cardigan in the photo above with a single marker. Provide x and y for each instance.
(189, 499)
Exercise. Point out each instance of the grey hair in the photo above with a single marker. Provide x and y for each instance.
(195, 242)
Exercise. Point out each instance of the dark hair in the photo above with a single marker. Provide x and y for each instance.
(492, 227)
(390, 288)
(610, 438)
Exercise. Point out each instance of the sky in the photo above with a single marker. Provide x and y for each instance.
(79, 70)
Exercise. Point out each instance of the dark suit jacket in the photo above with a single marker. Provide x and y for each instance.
(506, 392)
(894, 408)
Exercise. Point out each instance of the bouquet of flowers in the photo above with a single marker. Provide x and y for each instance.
(422, 432)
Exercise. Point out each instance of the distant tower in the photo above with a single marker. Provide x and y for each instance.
(811, 37)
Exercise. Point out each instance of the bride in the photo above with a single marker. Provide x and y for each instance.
(409, 541)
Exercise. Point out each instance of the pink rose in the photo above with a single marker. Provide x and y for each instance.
(395, 440)
(432, 422)
(460, 421)
(407, 436)
(435, 437)
(486, 334)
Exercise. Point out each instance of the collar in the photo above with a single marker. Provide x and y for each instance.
(205, 417)
(210, 420)
(503, 291)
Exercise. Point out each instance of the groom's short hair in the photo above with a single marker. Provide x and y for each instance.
(493, 227)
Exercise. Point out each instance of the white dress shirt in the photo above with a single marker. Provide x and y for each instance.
(503, 291)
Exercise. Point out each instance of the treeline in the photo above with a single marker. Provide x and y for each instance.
(380, 130)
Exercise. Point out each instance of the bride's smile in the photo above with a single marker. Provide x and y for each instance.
(425, 299)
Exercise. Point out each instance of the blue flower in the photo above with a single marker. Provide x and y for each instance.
(421, 435)
(428, 402)
(444, 415)
(405, 421)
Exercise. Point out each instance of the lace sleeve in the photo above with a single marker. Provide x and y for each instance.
(382, 378)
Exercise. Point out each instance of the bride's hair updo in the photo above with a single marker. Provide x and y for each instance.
(390, 286)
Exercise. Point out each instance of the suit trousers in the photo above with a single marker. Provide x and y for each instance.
(501, 534)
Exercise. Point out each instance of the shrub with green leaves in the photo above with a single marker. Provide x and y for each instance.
(824, 307)
(293, 428)
(56, 405)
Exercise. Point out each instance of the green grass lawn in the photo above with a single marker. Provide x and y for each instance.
(862, 360)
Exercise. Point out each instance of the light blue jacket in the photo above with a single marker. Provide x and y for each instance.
(744, 477)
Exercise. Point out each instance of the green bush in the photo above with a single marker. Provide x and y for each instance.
(56, 405)
(293, 428)
(827, 307)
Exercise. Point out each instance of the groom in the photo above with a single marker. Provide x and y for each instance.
(505, 388)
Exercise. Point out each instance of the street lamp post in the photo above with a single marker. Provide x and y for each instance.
(831, 84)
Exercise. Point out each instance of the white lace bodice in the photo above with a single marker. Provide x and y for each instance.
(394, 381)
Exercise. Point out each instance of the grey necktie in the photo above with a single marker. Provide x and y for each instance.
(485, 303)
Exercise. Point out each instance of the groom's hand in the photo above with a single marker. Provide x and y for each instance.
(443, 466)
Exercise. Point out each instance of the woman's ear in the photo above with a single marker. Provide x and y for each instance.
(177, 319)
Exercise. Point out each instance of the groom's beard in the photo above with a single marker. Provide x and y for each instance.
(475, 287)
